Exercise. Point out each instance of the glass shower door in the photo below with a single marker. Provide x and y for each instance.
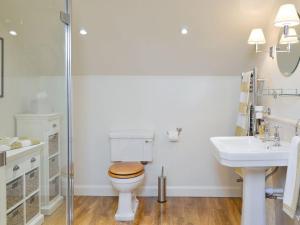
(35, 170)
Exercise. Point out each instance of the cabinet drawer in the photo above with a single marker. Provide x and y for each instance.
(53, 125)
(32, 162)
(14, 170)
(32, 181)
(53, 166)
(32, 207)
(53, 188)
(53, 144)
(16, 217)
(14, 192)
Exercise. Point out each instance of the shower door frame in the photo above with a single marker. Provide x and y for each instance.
(2, 188)
(68, 81)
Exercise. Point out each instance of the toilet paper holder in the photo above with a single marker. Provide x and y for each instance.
(173, 135)
(179, 130)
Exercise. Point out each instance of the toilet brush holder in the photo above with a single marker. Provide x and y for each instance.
(162, 191)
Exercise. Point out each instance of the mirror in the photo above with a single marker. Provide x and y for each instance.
(288, 61)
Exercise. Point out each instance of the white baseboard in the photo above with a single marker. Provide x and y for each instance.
(172, 191)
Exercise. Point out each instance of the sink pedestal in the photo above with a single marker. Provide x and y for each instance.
(254, 206)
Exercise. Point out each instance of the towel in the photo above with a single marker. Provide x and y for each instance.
(7, 143)
(292, 183)
(4, 148)
(243, 120)
(7, 140)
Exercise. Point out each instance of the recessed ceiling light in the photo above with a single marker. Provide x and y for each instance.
(184, 31)
(83, 32)
(13, 33)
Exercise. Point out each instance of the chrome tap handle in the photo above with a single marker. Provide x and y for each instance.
(276, 136)
(267, 128)
(268, 111)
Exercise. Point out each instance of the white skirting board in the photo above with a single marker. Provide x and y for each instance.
(50, 209)
(172, 191)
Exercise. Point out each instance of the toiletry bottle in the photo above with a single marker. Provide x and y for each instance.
(261, 130)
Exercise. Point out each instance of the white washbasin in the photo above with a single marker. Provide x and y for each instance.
(254, 157)
(249, 152)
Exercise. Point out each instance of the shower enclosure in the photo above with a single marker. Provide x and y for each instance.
(36, 172)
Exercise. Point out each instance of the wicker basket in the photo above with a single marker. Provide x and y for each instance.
(32, 181)
(53, 144)
(14, 192)
(16, 217)
(53, 188)
(32, 207)
(53, 166)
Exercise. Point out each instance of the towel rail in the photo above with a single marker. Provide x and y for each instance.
(280, 92)
(288, 121)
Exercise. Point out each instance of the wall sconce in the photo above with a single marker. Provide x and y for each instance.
(256, 38)
(291, 38)
(287, 16)
(288, 40)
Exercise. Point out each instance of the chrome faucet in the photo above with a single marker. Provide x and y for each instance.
(276, 136)
(297, 128)
(267, 133)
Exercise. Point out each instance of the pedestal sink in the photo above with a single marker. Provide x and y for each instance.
(254, 157)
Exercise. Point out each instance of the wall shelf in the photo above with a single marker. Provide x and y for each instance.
(280, 92)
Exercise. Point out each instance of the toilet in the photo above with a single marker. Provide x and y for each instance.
(129, 149)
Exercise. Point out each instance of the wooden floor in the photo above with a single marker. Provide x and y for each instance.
(177, 211)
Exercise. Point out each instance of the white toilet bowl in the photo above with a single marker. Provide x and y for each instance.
(125, 178)
(128, 203)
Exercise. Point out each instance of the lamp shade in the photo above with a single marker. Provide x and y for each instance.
(287, 15)
(256, 37)
(290, 39)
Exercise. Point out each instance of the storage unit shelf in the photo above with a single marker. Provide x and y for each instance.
(54, 177)
(54, 155)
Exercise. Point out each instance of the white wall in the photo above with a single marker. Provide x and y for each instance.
(37, 50)
(20, 84)
(18, 94)
(285, 107)
(203, 106)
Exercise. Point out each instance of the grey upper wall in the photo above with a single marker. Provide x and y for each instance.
(38, 49)
(142, 37)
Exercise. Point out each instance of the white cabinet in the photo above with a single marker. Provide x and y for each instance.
(23, 186)
(2, 189)
(46, 128)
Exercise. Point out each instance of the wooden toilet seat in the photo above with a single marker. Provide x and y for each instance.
(126, 170)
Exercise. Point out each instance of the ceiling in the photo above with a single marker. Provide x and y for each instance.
(137, 37)
(142, 37)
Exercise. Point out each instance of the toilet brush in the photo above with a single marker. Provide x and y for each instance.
(162, 187)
